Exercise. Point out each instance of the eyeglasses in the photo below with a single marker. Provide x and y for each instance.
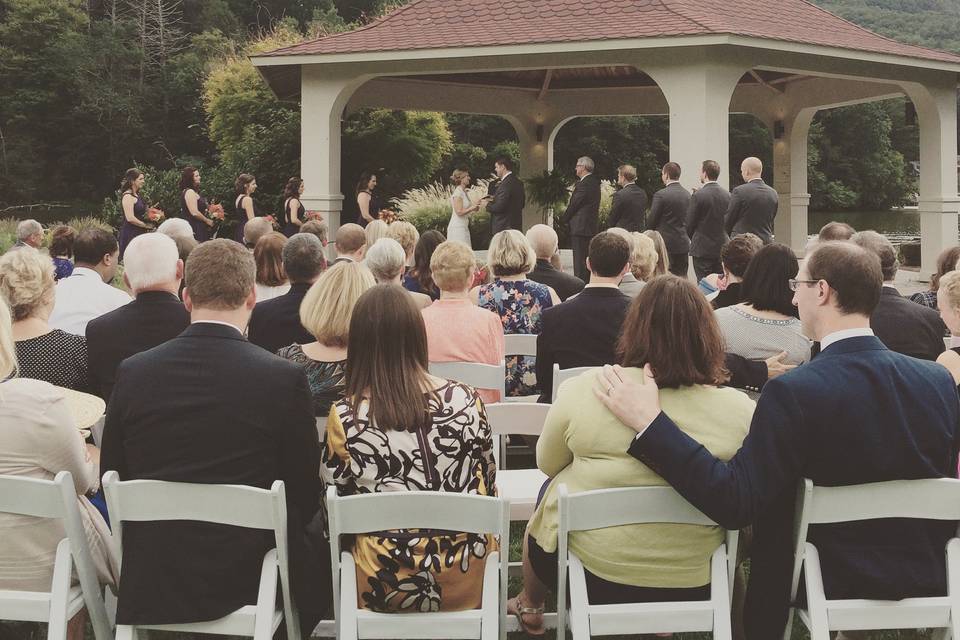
(795, 284)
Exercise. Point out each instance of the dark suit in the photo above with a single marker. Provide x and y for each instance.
(907, 327)
(209, 407)
(629, 208)
(857, 413)
(582, 214)
(668, 215)
(753, 206)
(563, 283)
(275, 323)
(750, 375)
(581, 332)
(151, 319)
(705, 228)
(506, 208)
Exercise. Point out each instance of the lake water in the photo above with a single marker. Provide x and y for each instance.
(900, 225)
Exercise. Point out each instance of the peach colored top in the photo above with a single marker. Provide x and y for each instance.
(460, 331)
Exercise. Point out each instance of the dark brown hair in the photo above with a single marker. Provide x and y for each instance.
(129, 178)
(268, 256)
(672, 169)
(186, 178)
(242, 181)
(946, 261)
(850, 270)
(61, 241)
(92, 244)
(292, 188)
(609, 253)
(711, 168)
(766, 283)
(739, 251)
(426, 245)
(671, 326)
(387, 359)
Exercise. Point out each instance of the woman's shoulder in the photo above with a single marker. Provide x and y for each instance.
(38, 393)
(292, 352)
(457, 395)
(727, 403)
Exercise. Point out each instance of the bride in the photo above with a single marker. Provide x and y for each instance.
(459, 227)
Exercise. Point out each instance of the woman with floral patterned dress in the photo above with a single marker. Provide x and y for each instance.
(400, 429)
(518, 301)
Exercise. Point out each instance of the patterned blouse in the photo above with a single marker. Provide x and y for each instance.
(405, 570)
(520, 304)
(57, 357)
(756, 338)
(926, 298)
(325, 378)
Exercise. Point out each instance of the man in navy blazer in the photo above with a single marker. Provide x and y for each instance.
(857, 413)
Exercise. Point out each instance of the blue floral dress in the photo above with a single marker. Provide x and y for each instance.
(520, 305)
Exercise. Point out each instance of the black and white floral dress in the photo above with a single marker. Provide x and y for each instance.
(416, 570)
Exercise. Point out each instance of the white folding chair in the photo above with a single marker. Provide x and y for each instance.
(520, 344)
(478, 376)
(562, 375)
(934, 499)
(234, 505)
(418, 510)
(638, 505)
(518, 486)
(55, 498)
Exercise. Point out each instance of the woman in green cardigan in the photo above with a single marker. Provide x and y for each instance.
(671, 326)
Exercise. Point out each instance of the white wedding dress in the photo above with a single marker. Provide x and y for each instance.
(459, 227)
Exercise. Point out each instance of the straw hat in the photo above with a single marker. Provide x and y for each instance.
(85, 408)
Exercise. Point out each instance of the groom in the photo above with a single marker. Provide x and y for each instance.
(506, 205)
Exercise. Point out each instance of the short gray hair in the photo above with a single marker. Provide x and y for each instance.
(587, 163)
(880, 246)
(150, 260)
(543, 239)
(176, 228)
(27, 228)
(303, 257)
(385, 259)
(254, 230)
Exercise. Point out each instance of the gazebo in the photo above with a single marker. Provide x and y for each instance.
(540, 64)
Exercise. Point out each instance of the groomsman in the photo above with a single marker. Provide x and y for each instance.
(705, 221)
(668, 215)
(753, 205)
(582, 215)
(629, 203)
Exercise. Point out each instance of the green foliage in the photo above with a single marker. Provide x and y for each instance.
(549, 190)
(429, 207)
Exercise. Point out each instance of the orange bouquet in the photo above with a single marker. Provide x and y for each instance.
(216, 213)
(273, 221)
(155, 215)
(389, 216)
(314, 215)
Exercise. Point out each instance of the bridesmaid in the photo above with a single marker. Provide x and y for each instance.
(134, 208)
(294, 213)
(246, 208)
(193, 207)
(369, 204)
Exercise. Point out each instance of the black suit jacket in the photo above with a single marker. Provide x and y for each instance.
(753, 206)
(506, 208)
(151, 319)
(705, 220)
(907, 327)
(857, 413)
(668, 215)
(563, 283)
(629, 208)
(275, 323)
(583, 210)
(582, 332)
(209, 407)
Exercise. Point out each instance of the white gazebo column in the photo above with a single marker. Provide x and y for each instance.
(936, 106)
(535, 137)
(698, 94)
(790, 180)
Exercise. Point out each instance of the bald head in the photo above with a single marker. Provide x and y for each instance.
(351, 240)
(751, 168)
(544, 241)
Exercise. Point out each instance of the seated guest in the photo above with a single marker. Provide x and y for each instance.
(418, 278)
(629, 284)
(185, 246)
(51, 355)
(276, 323)
(325, 312)
(457, 329)
(153, 270)
(386, 262)
(518, 302)
(735, 257)
(764, 324)
(350, 243)
(583, 331)
(948, 302)
(901, 325)
(39, 437)
(946, 262)
(29, 234)
(394, 412)
(254, 229)
(61, 250)
(856, 413)
(544, 241)
(87, 293)
(407, 235)
(644, 259)
(176, 228)
(272, 280)
(319, 229)
(209, 407)
(835, 231)
(669, 331)
(663, 258)
(375, 230)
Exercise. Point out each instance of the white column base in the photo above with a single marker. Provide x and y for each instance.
(938, 231)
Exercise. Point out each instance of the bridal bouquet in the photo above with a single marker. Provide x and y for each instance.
(273, 221)
(389, 216)
(216, 213)
(155, 215)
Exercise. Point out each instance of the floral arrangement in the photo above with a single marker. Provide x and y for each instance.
(389, 216)
(155, 215)
(314, 215)
(216, 213)
(273, 221)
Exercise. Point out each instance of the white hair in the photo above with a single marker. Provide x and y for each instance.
(176, 228)
(27, 228)
(150, 260)
(385, 259)
(587, 163)
(543, 239)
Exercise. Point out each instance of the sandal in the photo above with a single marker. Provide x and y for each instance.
(519, 611)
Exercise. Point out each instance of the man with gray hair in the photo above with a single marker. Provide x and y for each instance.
(29, 234)
(254, 230)
(902, 325)
(275, 323)
(543, 239)
(152, 272)
(582, 214)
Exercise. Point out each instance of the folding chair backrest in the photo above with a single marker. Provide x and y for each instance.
(520, 344)
(562, 375)
(515, 418)
(32, 496)
(475, 374)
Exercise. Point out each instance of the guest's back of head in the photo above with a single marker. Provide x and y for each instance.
(609, 254)
(881, 246)
(946, 262)
(737, 253)
(254, 230)
(268, 256)
(453, 266)
(375, 230)
(185, 246)
(302, 257)
(26, 283)
(92, 244)
(510, 254)
(317, 228)
(29, 231)
(643, 260)
(406, 234)
(766, 283)
(350, 239)
(220, 275)
(61, 241)
(663, 258)
(543, 239)
(150, 261)
(835, 231)
(8, 354)
(176, 228)
(426, 245)
(327, 307)
(853, 273)
(385, 259)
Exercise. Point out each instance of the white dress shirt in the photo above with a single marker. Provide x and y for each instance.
(837, 336)
(81, 297)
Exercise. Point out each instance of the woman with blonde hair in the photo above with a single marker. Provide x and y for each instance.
(272, 280)
(325, 312)
(407, 235)
(375, 230)
(459, 226)
(44, 353)
(663, 258)
(948, 304)
(643, 262)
